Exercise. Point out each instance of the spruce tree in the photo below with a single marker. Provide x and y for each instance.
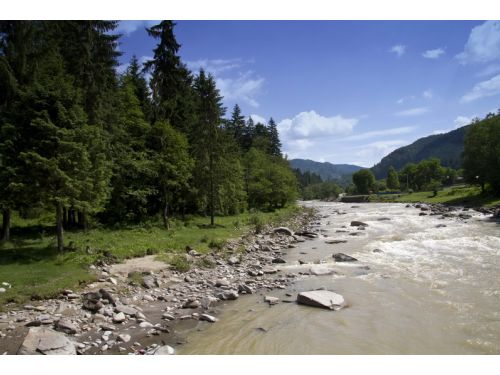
(275, 143)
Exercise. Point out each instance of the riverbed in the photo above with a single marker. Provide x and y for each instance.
(421, 285)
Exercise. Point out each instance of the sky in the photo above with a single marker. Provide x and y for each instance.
(343, 91)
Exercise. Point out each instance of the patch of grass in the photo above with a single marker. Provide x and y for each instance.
(455, 195)
(135, 278)
(178, 262)
(205, 262)
(31, 264)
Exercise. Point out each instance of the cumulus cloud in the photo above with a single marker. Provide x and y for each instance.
(309, 125)
(412, 112)
(483, 44)
(433, 53)
(398, 49)
(483, 89)
(127, 27)
(215, 66)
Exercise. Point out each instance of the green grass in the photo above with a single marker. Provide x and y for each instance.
(30, 262)
(456, 195)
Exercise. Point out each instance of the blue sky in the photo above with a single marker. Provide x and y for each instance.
(343, 91)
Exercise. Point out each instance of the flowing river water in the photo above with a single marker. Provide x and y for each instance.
(430, 290)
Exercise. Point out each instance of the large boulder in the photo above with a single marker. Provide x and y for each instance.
(341, 257)
(283, 230)
(41, 340)
(321, 298)
(320, 270)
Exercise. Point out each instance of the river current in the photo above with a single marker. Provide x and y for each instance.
(426, 289)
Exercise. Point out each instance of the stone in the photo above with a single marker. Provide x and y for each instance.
(321, 270)
(307, 234)
(222, 282)
(191, 304)
(269, 269)
(278, 260)
(123, 337)
(228, 295)
(208, 318)
(358, 224)
(119, 318)
(243, 288)
(334, 242)
(41, 340)
(107, 296)
(271, 300)
(441, 226)
(113, 281)
(127, 310)
(107, 327)
(233, 260)
(321, 298)
(145, 325)
(168, 316)
(341, 257)
(3, 290)
(283, 230)
(164, 350)
(66, 326)
(148, 298)
(384, 219)
(377, 251)
(149, 282)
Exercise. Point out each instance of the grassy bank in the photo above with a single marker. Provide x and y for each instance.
(31, 264)
(455, 195)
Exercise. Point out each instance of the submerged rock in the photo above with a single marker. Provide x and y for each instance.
(334, 242)
(319, 270)
(341, 257)
(358, 224)
(321, 298)
(46, 341)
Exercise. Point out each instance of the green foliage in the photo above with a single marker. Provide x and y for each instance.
(364, 181)
(482, 153)
(322, 190)
(392, 179)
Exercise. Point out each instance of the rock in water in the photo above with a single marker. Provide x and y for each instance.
(283, 230)
(341, 257)
(271, 300)
(321, 298)
(358, 224)
(319, 270)
(208, 318)
(46, 341)
(164, 350)
(334, 242)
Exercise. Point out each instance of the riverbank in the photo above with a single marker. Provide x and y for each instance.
(134, 306)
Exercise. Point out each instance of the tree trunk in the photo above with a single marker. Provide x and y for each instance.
(82, 220)
(5, 224)
(165, 216)
(65, 218)
(59, 228)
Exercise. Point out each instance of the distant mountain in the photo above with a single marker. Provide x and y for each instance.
(327, 171)
(447, 147)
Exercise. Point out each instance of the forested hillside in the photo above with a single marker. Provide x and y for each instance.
(327, 171)
(91, 145)
(447, 147)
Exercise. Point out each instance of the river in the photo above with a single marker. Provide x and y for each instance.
(429, 290)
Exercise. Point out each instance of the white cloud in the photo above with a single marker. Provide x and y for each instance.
(384, 132)
(406, 99)
(428, 94)
(123, 67)
(412, 112)
(433, 53)
(244, 88)
(216, 66)
(398, 49)
(312, 125)
(483, 89)
(256, 119)
(127, 27)
(489, 70)
(483, 44)
(462, 121)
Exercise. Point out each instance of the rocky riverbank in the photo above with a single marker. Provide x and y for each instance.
(137, 307)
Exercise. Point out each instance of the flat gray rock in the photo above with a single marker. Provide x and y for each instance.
(40, 340)
(341, 257)
(320, 270)
(321, 298)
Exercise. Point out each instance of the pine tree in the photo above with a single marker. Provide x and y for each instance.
(236, 126)
(248, 134)
(135, 76)
(208, 149)
(171, 82)
(275, 143)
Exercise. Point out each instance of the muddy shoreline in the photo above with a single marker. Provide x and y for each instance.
(113, 316)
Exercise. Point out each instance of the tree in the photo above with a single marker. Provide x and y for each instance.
(171, 164)
(392, 179)
(171, 82)
(248, 134)
(207, 148)
(275, 143)
(236, 126)
(364, 181)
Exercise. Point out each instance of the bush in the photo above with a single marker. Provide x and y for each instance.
(179, 263)
(257, 221)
